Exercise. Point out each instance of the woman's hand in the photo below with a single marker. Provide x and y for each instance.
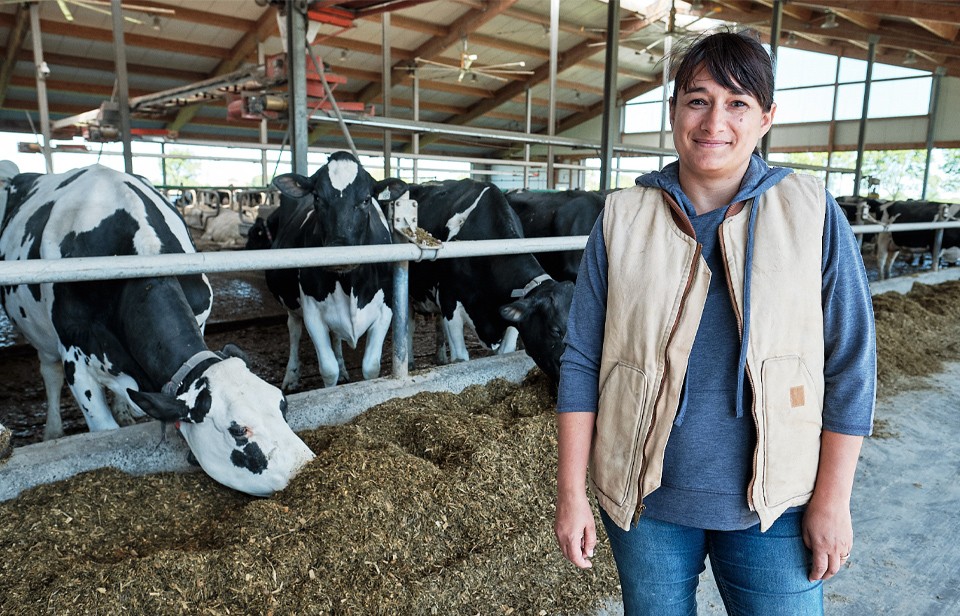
(828, 533)
(827, 524)
(575, 528)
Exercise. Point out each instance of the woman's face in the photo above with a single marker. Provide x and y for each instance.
(715, 130)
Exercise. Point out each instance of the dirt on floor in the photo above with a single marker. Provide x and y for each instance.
(434, 504)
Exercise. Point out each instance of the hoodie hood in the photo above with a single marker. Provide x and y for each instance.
(758, 178)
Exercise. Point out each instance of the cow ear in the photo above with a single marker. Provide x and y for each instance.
(159, 406)
(232, 350)
(390, 189)
(517, 311)
(293, 185)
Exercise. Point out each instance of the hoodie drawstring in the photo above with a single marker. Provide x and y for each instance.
(742, 364)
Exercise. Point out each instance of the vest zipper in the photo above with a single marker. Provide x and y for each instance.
(666, 365)
(753, 410)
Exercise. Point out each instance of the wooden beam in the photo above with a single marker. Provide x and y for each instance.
(946, 12)
(14, 41)
(947, 32)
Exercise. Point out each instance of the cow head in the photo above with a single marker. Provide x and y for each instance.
(8, 170)
(541, 318)
(344, 202)
(259, 236)
(235, 425)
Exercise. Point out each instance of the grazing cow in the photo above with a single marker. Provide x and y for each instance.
(140, 338)
(557, 214)
(890, 244)
(489, 293)
(337, 206)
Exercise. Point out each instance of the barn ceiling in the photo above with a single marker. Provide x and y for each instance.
(174, 44)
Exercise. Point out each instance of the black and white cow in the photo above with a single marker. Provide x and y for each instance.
(890, 244)
(489, 293)
(140, 338)
(337, 206)
(557, 214)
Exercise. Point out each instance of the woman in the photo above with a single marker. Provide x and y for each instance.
(720, 367)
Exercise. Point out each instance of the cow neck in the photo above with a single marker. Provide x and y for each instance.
(160, 329)
(198, 362)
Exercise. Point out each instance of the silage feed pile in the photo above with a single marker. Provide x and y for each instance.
(434, 504)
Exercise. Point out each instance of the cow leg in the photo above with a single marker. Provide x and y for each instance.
(440, 335)
(509, 342)
(374, 347)
(344, 376)
(321, 336)
(89, 395)
(291, 378)
(453, 332)
(52, 373)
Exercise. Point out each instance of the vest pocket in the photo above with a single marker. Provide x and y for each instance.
(618, 438)
(793, 420)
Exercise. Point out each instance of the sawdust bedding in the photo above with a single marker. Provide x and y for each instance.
(434, 504)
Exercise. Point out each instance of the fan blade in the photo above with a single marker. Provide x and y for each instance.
(501, 65)
(433, 63)
(502, 71)
(497, 77)
(103, 11)
(65, 10)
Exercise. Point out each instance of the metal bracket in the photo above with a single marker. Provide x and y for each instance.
(405, 226)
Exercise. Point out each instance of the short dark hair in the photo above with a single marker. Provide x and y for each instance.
(736, 60)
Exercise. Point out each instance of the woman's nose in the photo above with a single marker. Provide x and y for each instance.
(712, 120)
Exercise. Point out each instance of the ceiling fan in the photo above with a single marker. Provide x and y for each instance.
(468, 66)
(104, 6)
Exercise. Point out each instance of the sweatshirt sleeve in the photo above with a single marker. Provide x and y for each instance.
(580, 362)
(849, 331)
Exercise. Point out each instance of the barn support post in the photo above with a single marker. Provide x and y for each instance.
(862, 135)
(832, 132)
(41, 71)
(415, 137)
(665, 98)
(296, 44)
(123, 87)
(528, 106)
(931, 124)
(609, 122)
(552, 113)
(775, 25)
(264, 169)
(400, 365)
(387, 86)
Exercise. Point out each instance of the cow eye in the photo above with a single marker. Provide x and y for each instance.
(367, 201)
(555, 331)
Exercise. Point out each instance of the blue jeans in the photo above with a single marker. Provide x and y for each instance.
(758, 574)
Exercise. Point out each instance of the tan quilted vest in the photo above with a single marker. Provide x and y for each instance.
(658, 284)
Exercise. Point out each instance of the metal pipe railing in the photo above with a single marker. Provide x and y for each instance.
(34, 271)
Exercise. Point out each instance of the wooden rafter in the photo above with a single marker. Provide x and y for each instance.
(14, 41)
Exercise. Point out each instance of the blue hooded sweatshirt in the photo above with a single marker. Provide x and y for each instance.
(708, 461)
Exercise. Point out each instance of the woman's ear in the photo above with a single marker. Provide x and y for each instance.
(672, 108)
(766, 121)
